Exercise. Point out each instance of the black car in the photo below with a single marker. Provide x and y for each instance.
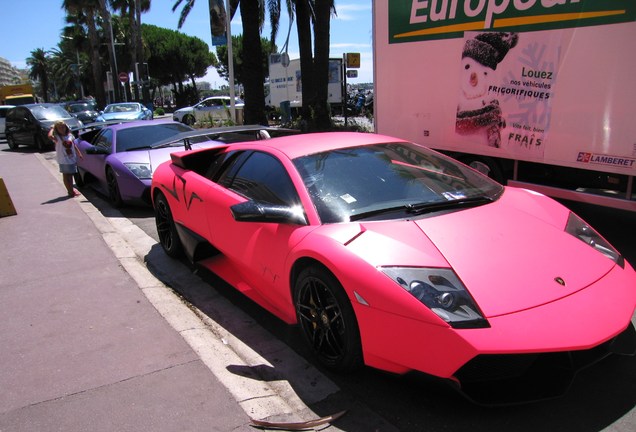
(30, 124)
(85, 112)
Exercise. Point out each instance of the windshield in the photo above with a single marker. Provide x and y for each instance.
(145, 136)
(50, 113)
(123, 107)
(76, 108)
(389, 180)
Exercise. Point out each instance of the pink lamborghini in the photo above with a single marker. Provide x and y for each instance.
(388, 254)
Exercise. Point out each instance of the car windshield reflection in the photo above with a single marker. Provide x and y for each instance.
(390, 180)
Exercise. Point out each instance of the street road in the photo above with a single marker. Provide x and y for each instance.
(602, 397)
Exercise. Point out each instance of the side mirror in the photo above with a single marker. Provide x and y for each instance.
(254, 211)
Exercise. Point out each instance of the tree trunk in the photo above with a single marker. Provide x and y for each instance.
(96, 61)
(303, 26)
(254, 77)
(321, 64)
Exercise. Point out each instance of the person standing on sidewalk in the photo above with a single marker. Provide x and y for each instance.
(66, 152)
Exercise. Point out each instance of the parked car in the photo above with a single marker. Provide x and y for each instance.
(3, 114)
(389, 254)
(83, 111)
(119, 159)
(125, 111)
(30, 124)
(214, 108)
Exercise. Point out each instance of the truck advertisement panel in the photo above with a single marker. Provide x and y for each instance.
(548, 81)
(285, 81)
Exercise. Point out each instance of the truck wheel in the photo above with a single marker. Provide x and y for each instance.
(486, 166)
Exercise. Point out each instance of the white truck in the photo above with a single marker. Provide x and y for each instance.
(539, 94)
(285, 81)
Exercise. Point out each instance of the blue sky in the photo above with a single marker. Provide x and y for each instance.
(26, 25)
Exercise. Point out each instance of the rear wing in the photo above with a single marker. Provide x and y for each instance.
(228, 135)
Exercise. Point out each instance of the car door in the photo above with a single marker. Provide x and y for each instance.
(258, 250)
(94, 162)
(23, 126)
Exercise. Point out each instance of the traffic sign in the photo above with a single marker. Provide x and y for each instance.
(123, 77)
(353, 60)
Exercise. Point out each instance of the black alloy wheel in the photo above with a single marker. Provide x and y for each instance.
(113, 189)
(327, 319)
(166, 229)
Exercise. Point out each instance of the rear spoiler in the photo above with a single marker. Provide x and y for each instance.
(182, 159)
(254, 132)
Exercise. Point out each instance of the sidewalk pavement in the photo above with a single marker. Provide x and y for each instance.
(92, 341)
(82, 347)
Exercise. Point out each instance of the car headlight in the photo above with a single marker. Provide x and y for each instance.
(588, 235)
(442, 292)
(140, 170)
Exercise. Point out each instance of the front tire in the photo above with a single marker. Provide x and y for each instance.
(11, 142)
(189, 120)
(39, 143)
(327, 319)
(166, 229)
(113, 189)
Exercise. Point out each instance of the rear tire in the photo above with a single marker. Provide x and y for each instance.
(327, 319)
(166, 229)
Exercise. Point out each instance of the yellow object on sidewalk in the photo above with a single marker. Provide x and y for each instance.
(6, 205)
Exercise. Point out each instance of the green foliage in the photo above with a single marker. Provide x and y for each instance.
(174, 56)
(237, 54)
(159, 111)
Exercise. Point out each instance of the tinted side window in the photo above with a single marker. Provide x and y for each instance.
(263, 178)
(105, 139)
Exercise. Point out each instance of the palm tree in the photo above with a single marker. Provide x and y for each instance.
(323, 10)
(87, 12)
(39, 65)
(132, 10)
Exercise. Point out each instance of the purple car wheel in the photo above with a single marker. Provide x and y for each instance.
(327, 319)
(166, 229)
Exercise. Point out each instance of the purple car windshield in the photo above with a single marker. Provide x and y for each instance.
(143, 137)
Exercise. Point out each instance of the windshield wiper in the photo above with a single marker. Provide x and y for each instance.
(426, 207)
(138, 148)
(458, 203)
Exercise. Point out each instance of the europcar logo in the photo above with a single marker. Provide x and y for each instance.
(416, 20)
(600, 159)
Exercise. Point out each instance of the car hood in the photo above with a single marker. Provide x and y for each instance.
(156, 157)
(120, 116)
(184, 110)
(508, 254)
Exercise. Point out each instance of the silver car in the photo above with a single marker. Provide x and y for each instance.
(214, 108)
